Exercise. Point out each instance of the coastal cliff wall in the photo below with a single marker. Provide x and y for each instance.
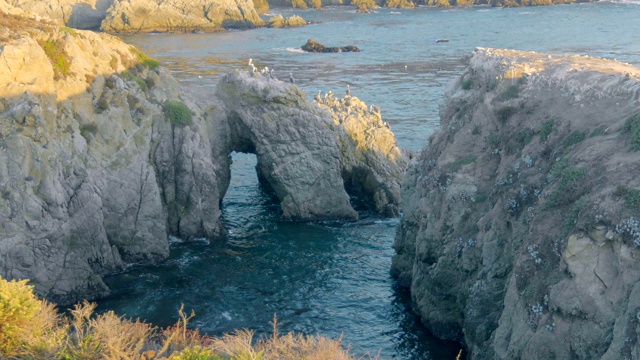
(520, 234)
(102, 156)
(143, 16)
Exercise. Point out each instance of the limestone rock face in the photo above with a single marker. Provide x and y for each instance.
(79, 14)
(520, 234)
(143, 16)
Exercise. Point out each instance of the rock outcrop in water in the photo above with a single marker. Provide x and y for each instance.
(279, 21)
(521, 233)
(101, 157)
(314, 46)
(143, 16)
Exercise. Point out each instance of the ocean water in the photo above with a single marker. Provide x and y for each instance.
(332, 278)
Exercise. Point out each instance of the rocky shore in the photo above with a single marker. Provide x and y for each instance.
(520, 234)
(102, 156)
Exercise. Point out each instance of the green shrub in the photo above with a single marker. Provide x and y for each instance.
(632, 128)
(177, 113)
(68, 30)
(126, 75)
(505, 113)
(546, 130)
(570, 187)
(196, 353)
(631, 197)
(18, 307)
(88, 131)
(145, 59)
(512, 92)
(57, 56)
(573, 139)
(456, 165)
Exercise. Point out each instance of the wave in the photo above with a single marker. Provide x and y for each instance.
(295, 50)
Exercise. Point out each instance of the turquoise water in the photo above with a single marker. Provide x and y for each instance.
(332, 278)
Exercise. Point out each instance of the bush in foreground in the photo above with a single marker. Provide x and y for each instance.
(31, 328)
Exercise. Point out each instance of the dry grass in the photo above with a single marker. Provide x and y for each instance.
(33, 329)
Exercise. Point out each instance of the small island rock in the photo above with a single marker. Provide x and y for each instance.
(314, 46)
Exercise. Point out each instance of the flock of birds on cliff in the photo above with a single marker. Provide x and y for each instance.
(268, 73)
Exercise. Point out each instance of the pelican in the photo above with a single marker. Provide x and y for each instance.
(291, 80)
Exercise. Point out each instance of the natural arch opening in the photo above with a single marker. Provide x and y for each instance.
(247, 197)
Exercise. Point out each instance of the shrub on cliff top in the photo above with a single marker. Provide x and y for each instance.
(29, 328)
(178, 113)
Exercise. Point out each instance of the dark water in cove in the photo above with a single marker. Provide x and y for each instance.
(332, 278)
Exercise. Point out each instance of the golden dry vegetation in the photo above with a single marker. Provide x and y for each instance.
(31, 328)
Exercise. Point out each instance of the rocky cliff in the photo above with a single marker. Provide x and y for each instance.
(79, 14)
(521, 234)
(102, 157)
(143, 16)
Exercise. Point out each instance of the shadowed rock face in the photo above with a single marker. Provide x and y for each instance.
(101, 157)
(520, 234)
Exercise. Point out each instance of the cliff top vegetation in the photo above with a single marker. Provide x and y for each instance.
(31, 328)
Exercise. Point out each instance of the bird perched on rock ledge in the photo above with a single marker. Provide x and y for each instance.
(291, 80)
(348, 90)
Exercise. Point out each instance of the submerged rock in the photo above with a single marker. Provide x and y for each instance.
(520, 231)
(102, 157)
(314, 46)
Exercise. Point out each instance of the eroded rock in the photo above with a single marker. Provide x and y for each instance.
(102, 157)
(520, 235)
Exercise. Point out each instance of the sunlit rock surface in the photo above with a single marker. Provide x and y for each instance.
(102, 157)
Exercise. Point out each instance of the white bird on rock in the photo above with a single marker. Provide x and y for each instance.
(291, 80)
(348, 90)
